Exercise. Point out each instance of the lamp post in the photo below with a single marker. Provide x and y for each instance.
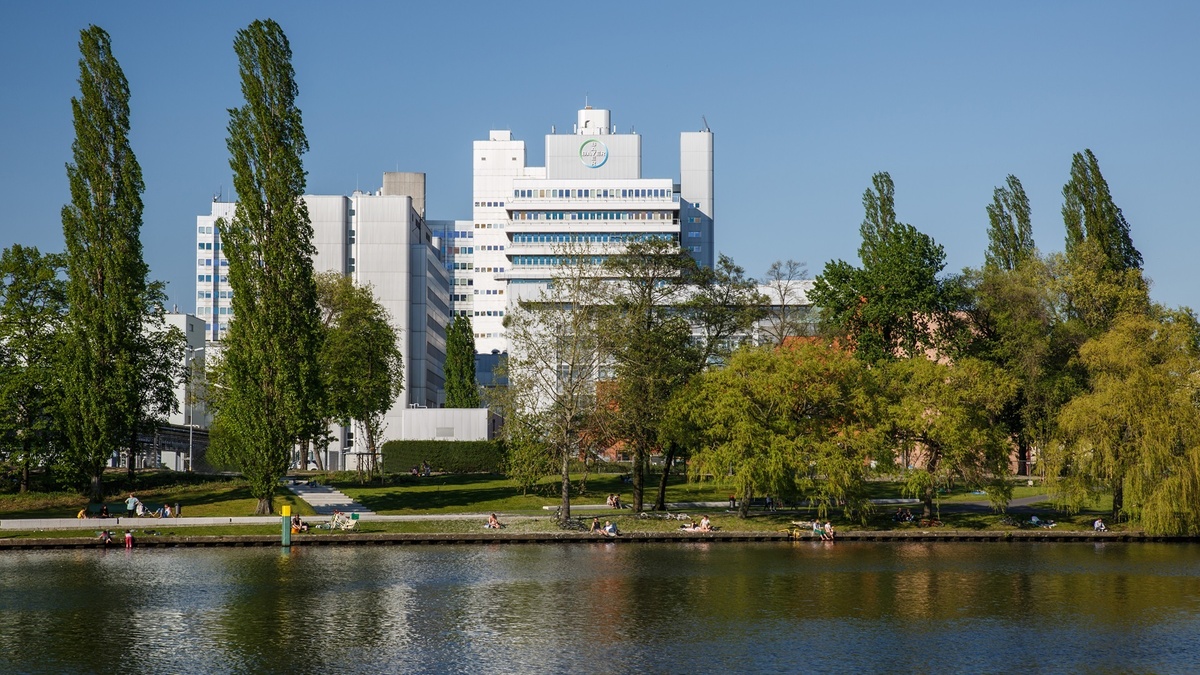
(188, 358)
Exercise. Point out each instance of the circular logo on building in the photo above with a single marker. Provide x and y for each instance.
(593, 154)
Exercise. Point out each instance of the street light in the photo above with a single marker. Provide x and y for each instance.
(189, 356)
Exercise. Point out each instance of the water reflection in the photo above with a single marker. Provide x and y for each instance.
(605, 607)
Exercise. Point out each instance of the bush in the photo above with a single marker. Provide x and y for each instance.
(444, 456)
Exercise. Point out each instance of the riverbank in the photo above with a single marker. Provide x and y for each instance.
(143, 540)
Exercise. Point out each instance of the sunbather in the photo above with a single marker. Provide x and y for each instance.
(610, 529)
(493, 523)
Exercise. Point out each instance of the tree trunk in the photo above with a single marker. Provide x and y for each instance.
(931, 488)
(1022, 455)
(132, 455)
(265, 506)
(744, 504)
(565, 511)
(660, 503)
(26, 446)
(98, 486)
(1118, 501)
(639, 477)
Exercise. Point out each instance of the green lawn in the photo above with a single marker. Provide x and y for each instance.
(199, 496)
(483, 493)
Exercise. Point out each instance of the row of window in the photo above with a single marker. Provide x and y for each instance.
(460, 234)
(208, 246)
(490, 291)
(208, 327)
(489, 226)
(490, 204)
(593, 215)
(489, 335)
(208, 262)
(207, 278)
(660, 193)
(204, 229)
(498, 312)
(208, 295)
(553, 261)
(460, 298)
(590, 237)
(205, 311)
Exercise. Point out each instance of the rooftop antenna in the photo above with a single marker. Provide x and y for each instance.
(703, 119)
(217, 196)
(585, 102)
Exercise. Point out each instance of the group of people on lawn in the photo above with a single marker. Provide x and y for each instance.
(135, 506)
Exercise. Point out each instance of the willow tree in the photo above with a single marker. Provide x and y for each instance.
(106, 272)
(268, 385)
(461, 389)
(1135, 432)
(779, 421)
(944, 419)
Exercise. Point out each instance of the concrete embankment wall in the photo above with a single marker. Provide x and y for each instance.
(403, 539)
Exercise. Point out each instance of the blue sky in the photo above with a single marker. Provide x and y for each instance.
(807, 101)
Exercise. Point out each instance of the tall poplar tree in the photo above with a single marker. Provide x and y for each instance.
(107, 275)
(1091, 215)
(1010, 230)
(268, 383)
(461, 389)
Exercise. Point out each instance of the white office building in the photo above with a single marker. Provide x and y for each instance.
(590, 190)
(379, 239)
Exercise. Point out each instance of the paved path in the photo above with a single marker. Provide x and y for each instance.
(325, 500)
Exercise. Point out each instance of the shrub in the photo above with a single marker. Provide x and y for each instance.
(444, 456)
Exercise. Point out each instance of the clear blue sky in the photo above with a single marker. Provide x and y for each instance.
(807, 101)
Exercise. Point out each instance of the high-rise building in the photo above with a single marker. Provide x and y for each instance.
(590, 191)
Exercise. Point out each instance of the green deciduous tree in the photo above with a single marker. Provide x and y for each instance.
(777, 418)
(461, 388)
(107, 275)
(1010, 229)
(32, 305)
(648, 340)
(895, 305)
(1135, 431)
(268, 387)
(944, 420)
(362, 369)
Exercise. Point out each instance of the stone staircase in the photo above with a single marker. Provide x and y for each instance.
(325, 500)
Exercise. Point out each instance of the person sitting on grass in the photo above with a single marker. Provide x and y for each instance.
(610, 529)
(705, 524)
(298, 525)
(104, 511)
(596, 527)
(82, 513)
(827, 531)
(1098, 526)
(493, 523)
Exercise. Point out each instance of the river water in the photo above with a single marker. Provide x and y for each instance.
(605, 608)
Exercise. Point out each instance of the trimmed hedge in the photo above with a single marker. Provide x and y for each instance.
(444, 456)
